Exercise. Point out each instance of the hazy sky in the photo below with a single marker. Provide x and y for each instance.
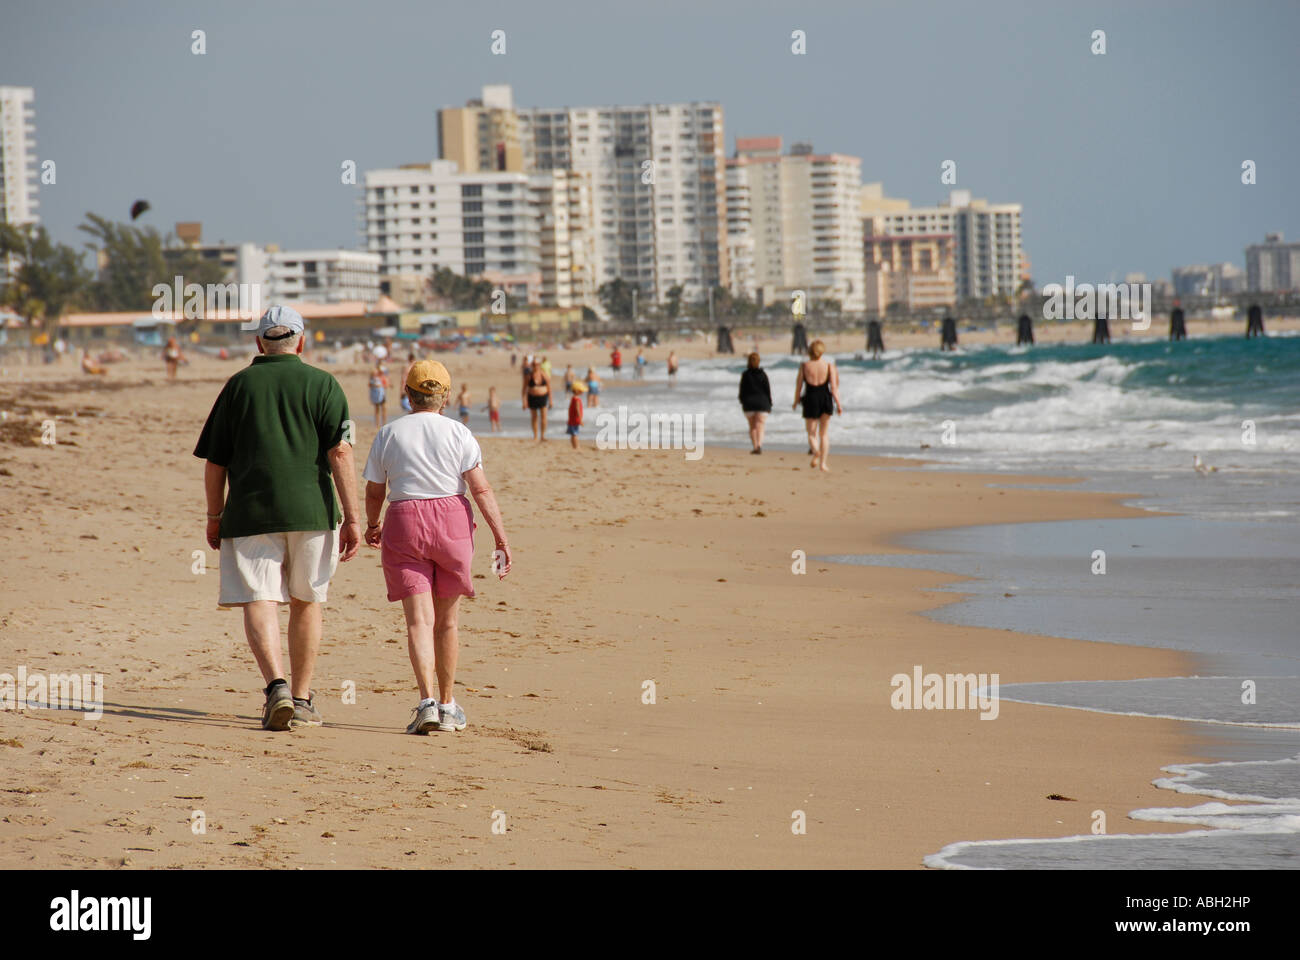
(1128, 161)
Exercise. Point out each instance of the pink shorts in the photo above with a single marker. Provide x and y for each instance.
(428, 545)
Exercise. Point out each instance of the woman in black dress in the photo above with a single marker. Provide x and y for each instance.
(755, 400)
(818, 386)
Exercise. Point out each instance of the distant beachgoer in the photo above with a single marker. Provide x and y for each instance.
(493, 409)
(462, 401)
(593, 386)
(755, 401)
(424, 464)
(379, 393)
(672, 368)
(616, 361)
(537, 399)
(277, 433)
(568, 379)
(546, 366)
(820, 401)
(639, 369)
(172, 357)
(514, 360)
(90, 366)
(575, 414)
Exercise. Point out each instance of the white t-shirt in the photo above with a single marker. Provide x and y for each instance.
(422, 456)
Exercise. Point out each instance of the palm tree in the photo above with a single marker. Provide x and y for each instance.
(48, 278)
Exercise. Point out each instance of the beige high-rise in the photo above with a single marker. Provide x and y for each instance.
(801, 211)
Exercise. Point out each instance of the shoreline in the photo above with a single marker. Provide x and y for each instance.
(773, 693)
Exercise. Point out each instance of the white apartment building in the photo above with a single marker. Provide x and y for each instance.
(986, 239)
(421, 217)
(1273, 265)
(562, 200)
(801, 212)
(740, 234)
(17, 156)
(658, 187)
(17, 163)
(321, 276)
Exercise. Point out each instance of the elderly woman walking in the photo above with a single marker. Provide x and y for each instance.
(426, 462)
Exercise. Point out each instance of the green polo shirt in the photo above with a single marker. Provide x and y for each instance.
(271, 428)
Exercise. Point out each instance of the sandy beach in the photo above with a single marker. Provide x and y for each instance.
(772, 689)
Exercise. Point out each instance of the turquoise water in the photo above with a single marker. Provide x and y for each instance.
(1138, 405)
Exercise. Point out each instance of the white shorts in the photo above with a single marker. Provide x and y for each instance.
(277, 566)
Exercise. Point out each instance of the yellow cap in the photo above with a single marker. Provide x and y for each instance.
(427, 375)
(579, 387)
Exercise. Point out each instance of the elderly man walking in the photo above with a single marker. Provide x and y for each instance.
(276, 434)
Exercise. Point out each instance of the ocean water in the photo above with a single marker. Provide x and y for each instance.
(1137, 405)
(1219, 581)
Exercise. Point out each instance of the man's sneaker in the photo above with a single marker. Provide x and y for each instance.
(305, 713)
(426, 718)
(279, 707)
(450, 717)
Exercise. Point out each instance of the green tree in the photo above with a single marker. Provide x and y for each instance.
(673, 302)
(49, 277)
(462, 292)
(616, 297)
(135, 259)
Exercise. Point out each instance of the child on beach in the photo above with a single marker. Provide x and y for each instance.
(640, 365)
(493, 409)
(616, 361)
(462, 401)
(593, 386)
(379, 393)
(575, 414)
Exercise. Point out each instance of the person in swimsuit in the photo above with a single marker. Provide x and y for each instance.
(616, 361)
(379, 394)
(672, 368)
(493, 409)
(172, 357)
(593, 386)
(537, 399)
(462, 401)
(818, 386)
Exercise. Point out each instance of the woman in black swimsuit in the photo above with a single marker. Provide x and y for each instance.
(537, 399)
(820, 400)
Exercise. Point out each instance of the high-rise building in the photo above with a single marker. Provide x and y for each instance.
(422, 217)
(562, 200)
(986, 239)
(483, 135)
(17, 156)
(1273, 265)
(658, 188)
(801, 210)
(740, 234)
(17, 163)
